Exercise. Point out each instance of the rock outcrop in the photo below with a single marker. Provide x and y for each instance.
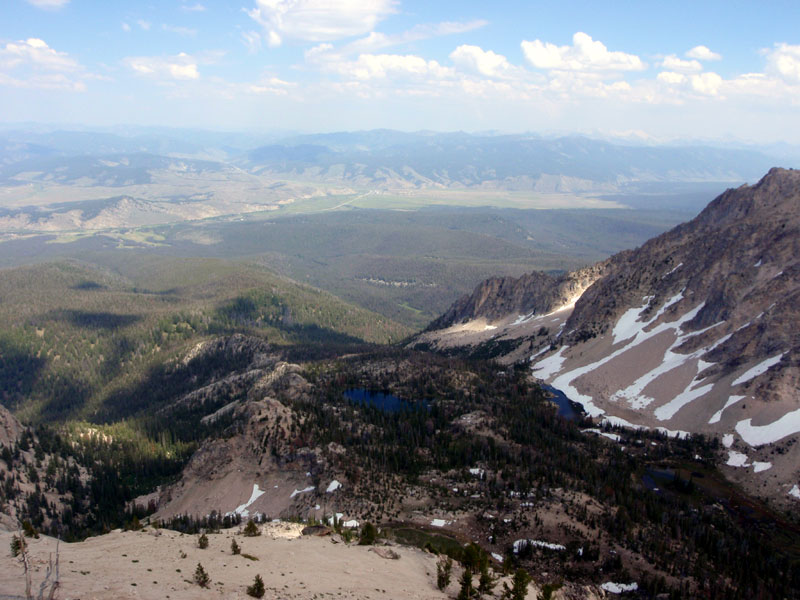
(535, 292)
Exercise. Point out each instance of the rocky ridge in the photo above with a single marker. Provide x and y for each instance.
(697, 330)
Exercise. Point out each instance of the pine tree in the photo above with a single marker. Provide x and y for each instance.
(368, 535)
(519, 586)
(444, 569)
(257, 589)
(486, 582)
(202, 541)
(251, 529)
(235, 549)
(201, 578)
(467, 591)
(17, 545)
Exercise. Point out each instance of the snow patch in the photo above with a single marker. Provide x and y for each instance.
(520, 544)
(477, 472)
(673, 270)
(242, 508)
(795, 492)
(756, 435)
(760, 368)
(718, 415)
(550, 365)
(611, 436)
(333, 486)
(497, 557)
(672, 360)
(352, 524)
(626, 327)
(737, 459)
(619, 588)
(310, 488)
(439, 523)
(761, 466)
(523, 319)
(758, 264)
(668, 410)
(727, 440)
(620, 422)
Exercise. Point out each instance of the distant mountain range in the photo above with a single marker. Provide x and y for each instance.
(514, 162)
(381, 159)
(695, 331)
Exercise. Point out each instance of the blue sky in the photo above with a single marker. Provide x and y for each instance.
(645, 70)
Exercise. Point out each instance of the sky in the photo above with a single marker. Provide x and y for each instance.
(660, 71)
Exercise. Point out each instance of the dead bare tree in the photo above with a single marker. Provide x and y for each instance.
(26, 563)
(51, 577)
(52, 571)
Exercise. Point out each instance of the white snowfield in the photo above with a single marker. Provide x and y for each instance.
(736, 459)
(756, 435)
(730, 402)
(242, 508)
(310, 488)
(760, 368)
(439, 523)
(619, 588)
(795, 492)
(550, 365)
(630, 333)
(333, 486)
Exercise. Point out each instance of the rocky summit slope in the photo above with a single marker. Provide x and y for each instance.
(697, 330)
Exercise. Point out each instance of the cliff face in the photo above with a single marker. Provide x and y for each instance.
(535, 292)
(698, 330)
(10, 428)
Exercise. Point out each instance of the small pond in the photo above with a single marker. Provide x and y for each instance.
(566, 408)
(384, 402)
(653, 479)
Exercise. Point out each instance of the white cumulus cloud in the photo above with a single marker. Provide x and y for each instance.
(702, 53)
(671, 77)
(372, 66)
(318, 20)
(585, 54)
(706, 83)
(181, 66)
(784, 61)
(32, 63)
(673, 63)
(35, 53)
(484, 62)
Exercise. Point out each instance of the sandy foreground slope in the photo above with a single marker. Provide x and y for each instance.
(150, 564)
